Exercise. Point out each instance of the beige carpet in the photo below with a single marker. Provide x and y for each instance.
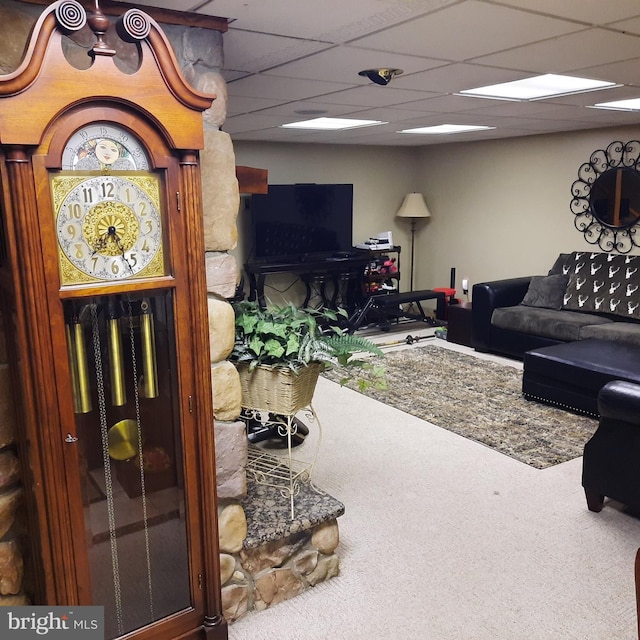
(447, 539)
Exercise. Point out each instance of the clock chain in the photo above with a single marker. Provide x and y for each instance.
(141, 461)
(107, 467)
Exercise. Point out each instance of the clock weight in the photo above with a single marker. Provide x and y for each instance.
(78, 367)
(116, 370)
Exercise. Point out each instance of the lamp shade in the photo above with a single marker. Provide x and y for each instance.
(413, 206)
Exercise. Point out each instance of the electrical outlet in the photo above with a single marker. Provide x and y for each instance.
(465, 286)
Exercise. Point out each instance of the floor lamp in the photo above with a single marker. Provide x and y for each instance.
(413, 207)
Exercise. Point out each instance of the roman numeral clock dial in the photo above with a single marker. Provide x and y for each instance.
(108, 227)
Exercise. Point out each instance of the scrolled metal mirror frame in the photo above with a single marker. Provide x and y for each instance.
(620, 238)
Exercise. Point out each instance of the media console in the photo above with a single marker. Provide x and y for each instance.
(336, 271)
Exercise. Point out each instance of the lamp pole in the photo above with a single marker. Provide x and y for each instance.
(413, 239)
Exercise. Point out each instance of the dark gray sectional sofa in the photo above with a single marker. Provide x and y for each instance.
(585, 295)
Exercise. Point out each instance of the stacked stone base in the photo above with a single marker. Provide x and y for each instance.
(276, 571)
(267, 556)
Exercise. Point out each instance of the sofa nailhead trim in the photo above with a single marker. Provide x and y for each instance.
(561, 405)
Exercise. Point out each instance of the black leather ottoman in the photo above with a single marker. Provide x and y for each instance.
(571, 374)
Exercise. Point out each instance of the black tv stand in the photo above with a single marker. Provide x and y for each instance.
(325, 269)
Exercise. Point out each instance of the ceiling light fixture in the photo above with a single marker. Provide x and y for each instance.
(331, 124)
(447, 128)
(380, 76)
(537, 88)
(632, 104)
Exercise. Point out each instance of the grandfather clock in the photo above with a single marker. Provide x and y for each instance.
(104, 306)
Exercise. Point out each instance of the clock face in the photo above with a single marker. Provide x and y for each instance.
(109, 227)
(105, 147)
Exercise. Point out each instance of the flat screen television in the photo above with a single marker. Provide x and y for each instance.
(298, 221)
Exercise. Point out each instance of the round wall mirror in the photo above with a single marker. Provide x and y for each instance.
(615, 198)
(606, 197)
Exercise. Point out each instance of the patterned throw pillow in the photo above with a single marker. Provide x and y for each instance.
(604, 282)
(559, 264)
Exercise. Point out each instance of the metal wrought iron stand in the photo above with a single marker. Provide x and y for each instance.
(282, 472)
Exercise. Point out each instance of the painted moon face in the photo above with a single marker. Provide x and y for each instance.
(103, 146)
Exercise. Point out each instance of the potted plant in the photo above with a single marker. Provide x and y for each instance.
(280, 351)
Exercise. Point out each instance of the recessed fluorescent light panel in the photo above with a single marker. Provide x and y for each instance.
(331, 124)
(633, 104)
(447, 128)
(538, 88)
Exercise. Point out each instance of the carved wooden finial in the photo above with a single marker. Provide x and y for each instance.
(70, 16)
(99, 23)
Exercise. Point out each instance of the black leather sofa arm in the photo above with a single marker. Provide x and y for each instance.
(486, 297)
(620, 400)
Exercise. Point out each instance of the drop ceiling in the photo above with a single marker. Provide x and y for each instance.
(291, 60)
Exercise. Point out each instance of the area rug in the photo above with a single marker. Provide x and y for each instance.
(482, 401)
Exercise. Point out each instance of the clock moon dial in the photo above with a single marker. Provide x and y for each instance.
(109, 227)
(105, 147)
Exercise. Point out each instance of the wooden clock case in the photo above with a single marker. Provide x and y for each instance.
(42, 104)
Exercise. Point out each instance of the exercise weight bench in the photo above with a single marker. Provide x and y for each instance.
(392, 301)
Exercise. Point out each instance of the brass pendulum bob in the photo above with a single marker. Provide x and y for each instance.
(123, 440)
(116, 371)
(149, 368)
(78, 366)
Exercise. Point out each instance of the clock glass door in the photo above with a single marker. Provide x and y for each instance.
(122, 358)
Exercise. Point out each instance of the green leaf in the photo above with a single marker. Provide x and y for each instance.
(256, 345)
(246, 322)
(273, 348)
(272, 328)
(293, 344)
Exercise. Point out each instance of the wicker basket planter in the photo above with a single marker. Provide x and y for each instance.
(278, 390)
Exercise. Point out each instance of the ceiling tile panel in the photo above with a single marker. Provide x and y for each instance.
(252, 52)
(626, 72)
(334, 19)
(343, 63)
(466, 31)
(174, 5)
(237, 105)
(567, 53)
(595, 12)
(628, 26)
(371, 96)
(275, 88)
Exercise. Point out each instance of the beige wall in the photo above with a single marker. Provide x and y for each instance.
(500, 208)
